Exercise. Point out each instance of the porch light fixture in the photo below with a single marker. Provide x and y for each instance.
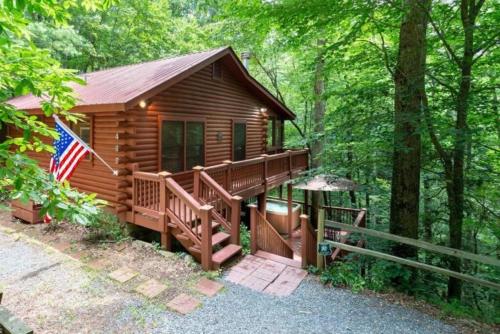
(143, 104)
(263, 109)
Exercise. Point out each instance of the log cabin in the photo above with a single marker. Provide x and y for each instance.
(192, 137)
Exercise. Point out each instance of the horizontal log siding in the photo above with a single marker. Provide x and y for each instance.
(92, 176)
(219, 102)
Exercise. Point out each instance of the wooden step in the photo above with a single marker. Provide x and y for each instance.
(197, 229)
(182, 236)
(217, 238)
(279, 259)
(225, 254)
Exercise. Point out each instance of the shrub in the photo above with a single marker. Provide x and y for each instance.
(106, 226)
(245, 239)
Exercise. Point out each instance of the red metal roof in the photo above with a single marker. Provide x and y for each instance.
(121, 87)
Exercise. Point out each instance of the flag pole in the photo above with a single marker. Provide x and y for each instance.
(58, 120)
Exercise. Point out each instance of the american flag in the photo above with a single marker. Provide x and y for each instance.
(70, 150)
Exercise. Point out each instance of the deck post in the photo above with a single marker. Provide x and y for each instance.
(166, 235)
(320, 262)
(262, 203)
(253, 228)
(196, 181)
(206, 237)
(228, 179)
(304, 235)
(289, 195)
(235, 219)
(290, 165)
(306, 202)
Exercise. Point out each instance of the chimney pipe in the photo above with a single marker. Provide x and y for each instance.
(245, 57)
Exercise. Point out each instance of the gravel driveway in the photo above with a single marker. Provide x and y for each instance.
(55, 294)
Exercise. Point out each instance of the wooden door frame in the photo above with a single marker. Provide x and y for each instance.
(183, 119)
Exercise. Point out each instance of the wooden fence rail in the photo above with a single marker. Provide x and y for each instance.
(411, 242)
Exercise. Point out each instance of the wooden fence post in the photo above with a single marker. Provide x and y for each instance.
(289, 194)
(320, 262)
(304, 234)
(166, 236)
(253, 228)
(235, 219)
(228, 179)
(206, 237)
(196, 181)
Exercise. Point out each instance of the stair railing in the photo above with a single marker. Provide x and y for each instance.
(190, 216)
(226, 208)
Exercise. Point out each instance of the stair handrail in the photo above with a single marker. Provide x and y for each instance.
(234, 202)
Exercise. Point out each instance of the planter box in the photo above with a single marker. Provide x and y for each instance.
(29, 212)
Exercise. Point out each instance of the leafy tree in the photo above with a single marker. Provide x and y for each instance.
(27, 69)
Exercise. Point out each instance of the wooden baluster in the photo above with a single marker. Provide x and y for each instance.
(253, 228)
(228, 179)
(206, 237)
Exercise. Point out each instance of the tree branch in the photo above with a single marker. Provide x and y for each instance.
(442, 83)
(445, 157)
(442, 37)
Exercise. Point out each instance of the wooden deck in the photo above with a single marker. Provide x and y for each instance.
(201, 208)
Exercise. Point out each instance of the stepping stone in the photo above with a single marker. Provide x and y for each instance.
(183, 304)
(236, 276)
(123, 274)
(151, 288)
(254, 283)
(287, 282)
(266, 275)
(208, 287)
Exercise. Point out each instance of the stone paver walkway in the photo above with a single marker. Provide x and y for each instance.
(266, 275)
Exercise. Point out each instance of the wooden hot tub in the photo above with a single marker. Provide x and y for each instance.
(277, 215)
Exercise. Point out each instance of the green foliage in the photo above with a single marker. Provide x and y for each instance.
(245, 239)
(344, 275)
(105, 226)
(27, 69)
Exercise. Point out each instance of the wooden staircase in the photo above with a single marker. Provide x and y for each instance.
(206, 223)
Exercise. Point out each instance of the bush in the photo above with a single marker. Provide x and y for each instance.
(245, 239)
(106, 226)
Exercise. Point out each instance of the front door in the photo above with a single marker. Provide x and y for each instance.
(239, 141)
(182, 145)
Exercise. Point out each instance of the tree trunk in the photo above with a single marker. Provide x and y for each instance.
(409, 80)
(428, 212)
(468, 12)
(318, 124)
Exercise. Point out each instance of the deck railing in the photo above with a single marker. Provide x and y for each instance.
(265, 237)
(159, 196)
(249, 177)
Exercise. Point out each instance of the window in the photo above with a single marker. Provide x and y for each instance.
(271, 126)
(274, 133)
(217, 70)
(83, 130)
(182, 145)
(239, 141)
